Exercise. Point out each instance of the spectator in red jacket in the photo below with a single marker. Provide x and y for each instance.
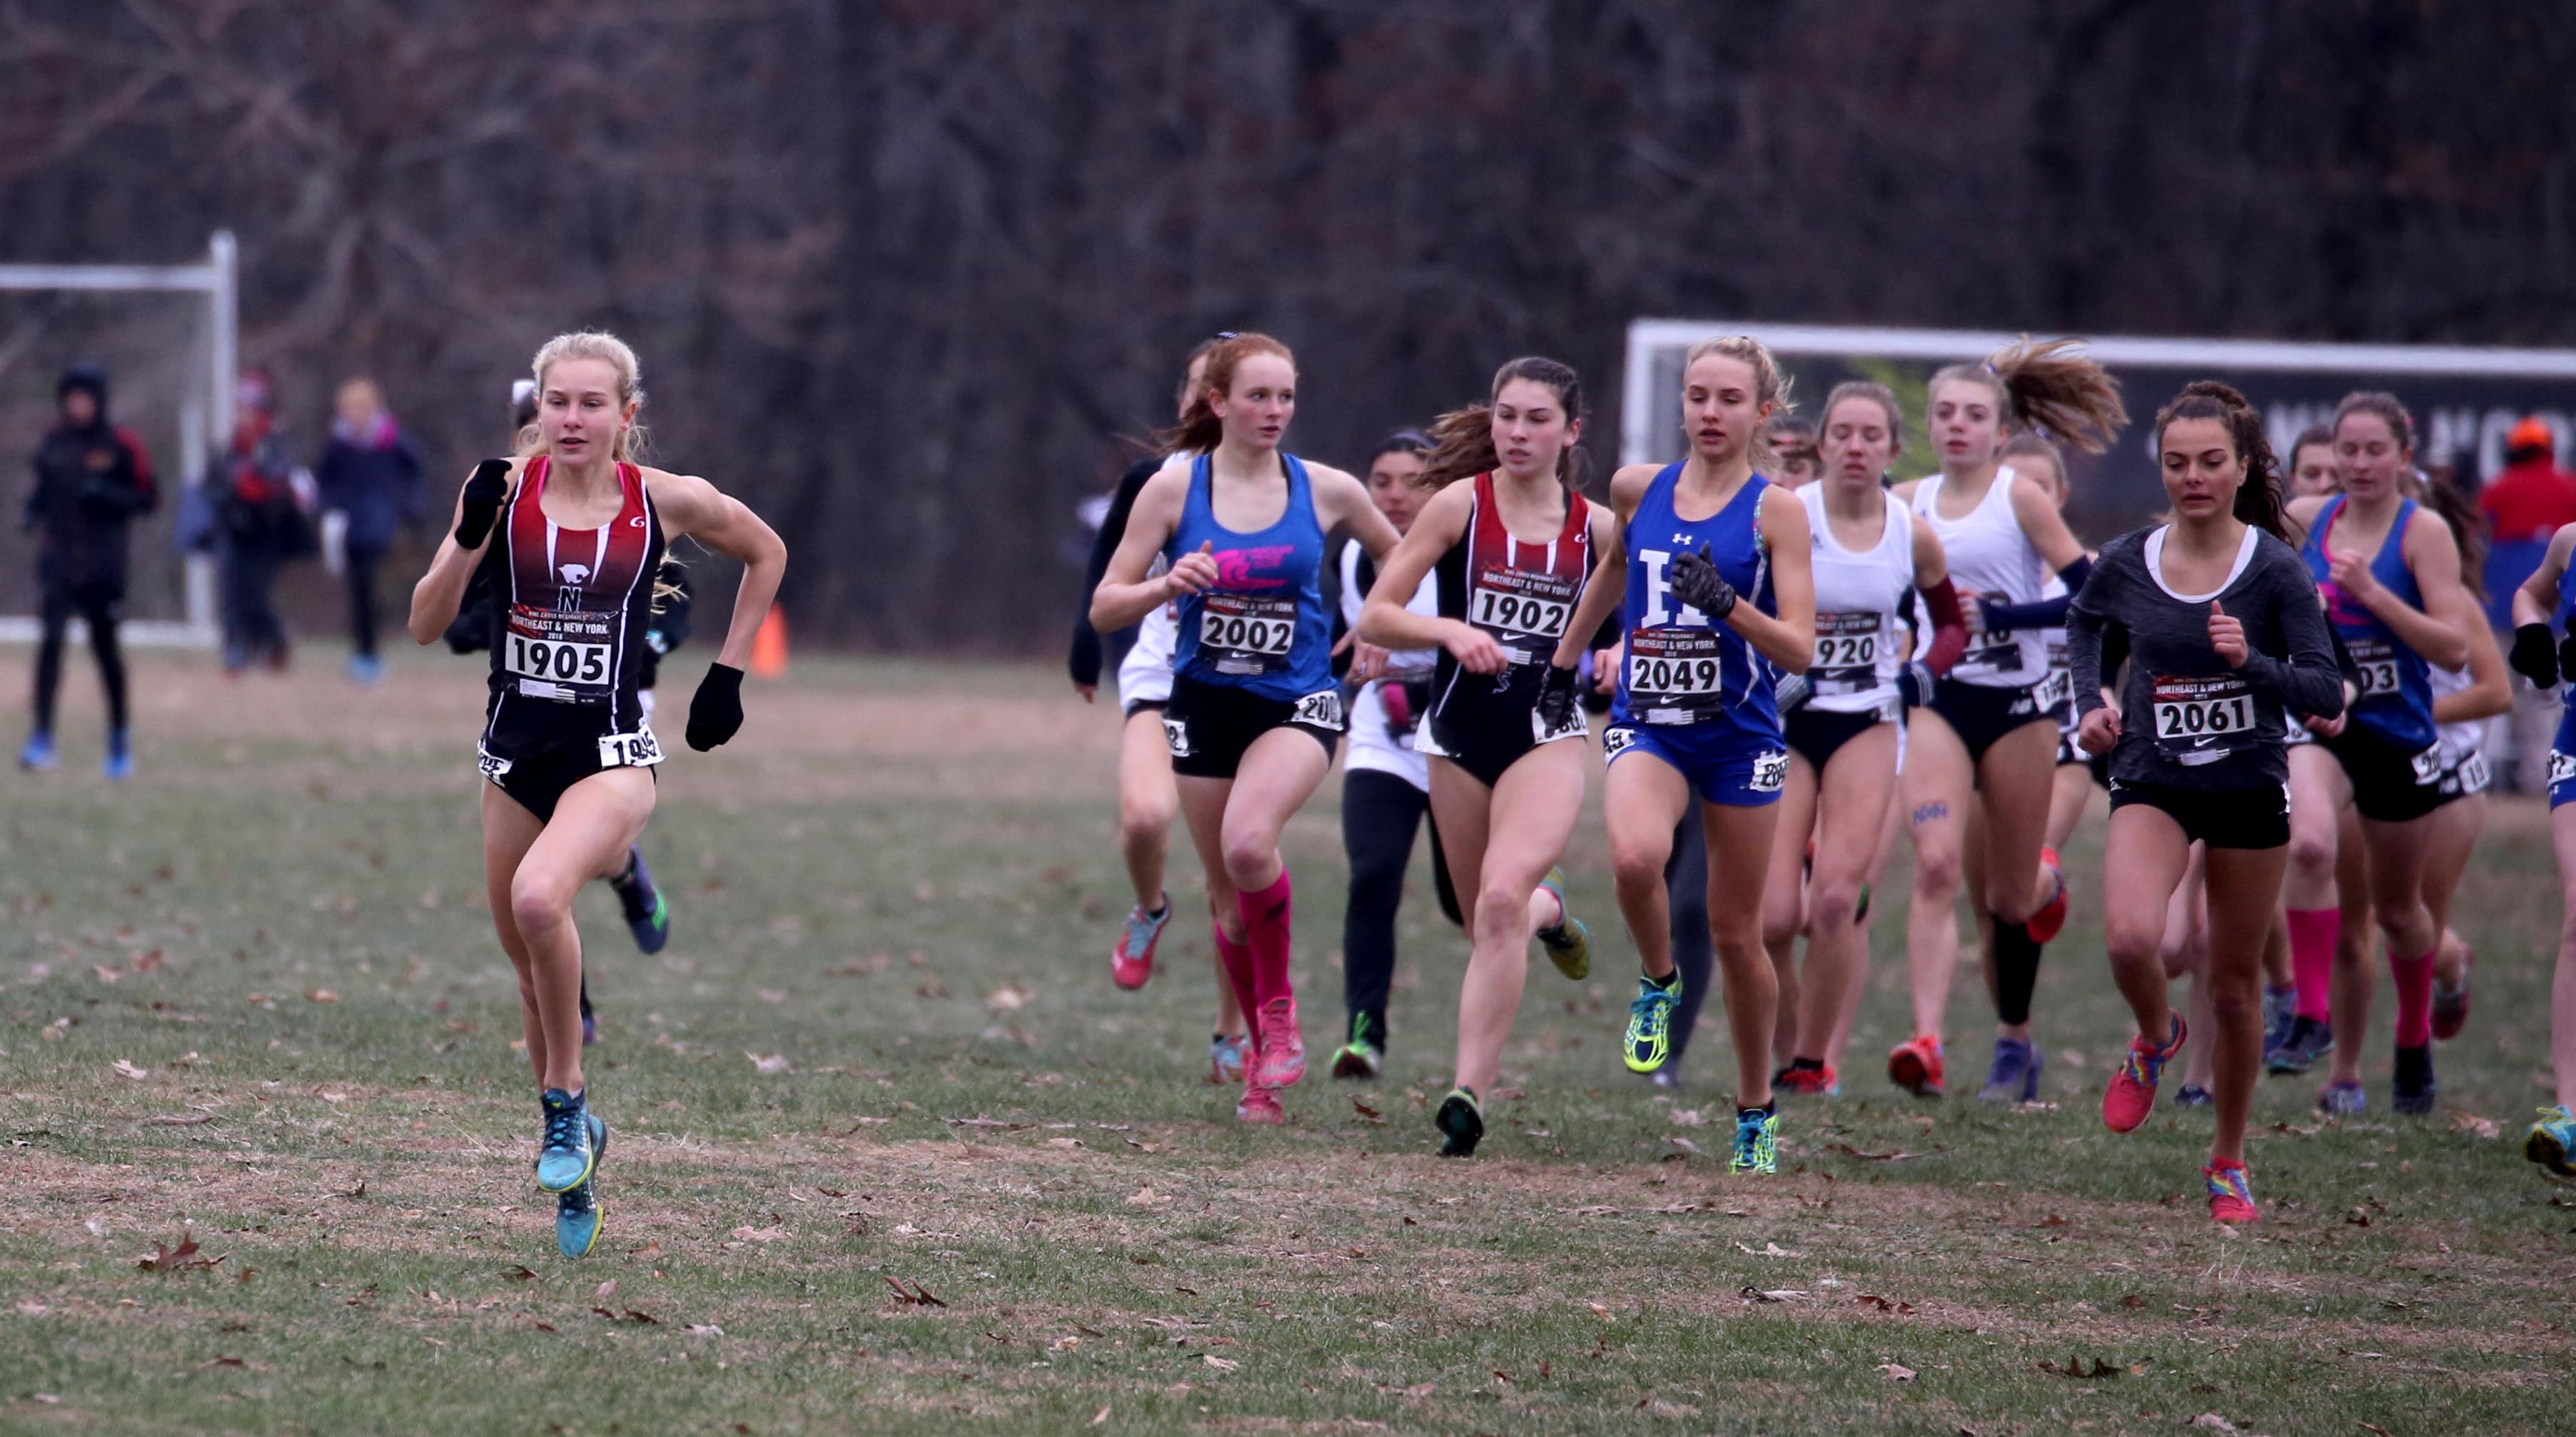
(92, 480)
(2533, 496)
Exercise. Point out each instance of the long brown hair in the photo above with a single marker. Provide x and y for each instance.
(1200, 428)
(2468, 527)
(1462, 440)
(2258, 499)
(2382, 403)
(2051, 386)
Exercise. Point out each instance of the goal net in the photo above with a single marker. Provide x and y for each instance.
(168, 336)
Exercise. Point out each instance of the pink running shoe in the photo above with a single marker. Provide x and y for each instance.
(1131, 963)
(1280, 1057)
(1260, 1105)
(2050, 920)
(2231, 1200)
(2132, 1094)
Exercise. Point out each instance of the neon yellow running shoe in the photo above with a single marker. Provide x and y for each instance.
(2552, 1141)
(1567, 941)
(1757, 1142)
(1648, 1041)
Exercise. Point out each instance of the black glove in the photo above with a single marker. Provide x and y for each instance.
(2567, 654)
(1914, 685)
(2533, 656)
(715, 713)
(1556, 698)
(484, 492)
(1697, 583)
(1792, 693)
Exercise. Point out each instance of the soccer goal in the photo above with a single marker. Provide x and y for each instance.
(195, 378)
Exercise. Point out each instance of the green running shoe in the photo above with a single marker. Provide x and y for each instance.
(1648, 1041)
(1364, 1056)
(565, 1155)
(1461, 1121)
(578, 1214)
(1757, 1142)
(1567, 941)
(640, 901)
(2552, 1141)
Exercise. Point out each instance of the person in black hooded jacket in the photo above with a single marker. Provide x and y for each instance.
(92, 480)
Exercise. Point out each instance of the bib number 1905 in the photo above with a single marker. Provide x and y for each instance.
(562, 662)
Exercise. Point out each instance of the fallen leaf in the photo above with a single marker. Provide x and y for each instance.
(1505, 1095)
(178, 1122)
(759, 1234)
(1776, 1294)
(2473, 1124)
(2213, 1421)
(220, 1362)
(106, 974)
(1689, 1117)
(1146, 1196)
(1366, 1112)
(914, 1295)
(769, 1064)
(602, 1292)
(704, 1329)
(771, 995)
(176, 1259)
(1009, 998)
(322, 995)
(1896, 1372)
(1847, 1150)
(129, 1070)
(1221, 1364)
(1658, 1407)
(2370, 1427)
(517, 1273)
(1601, 1312)
(354, 1193)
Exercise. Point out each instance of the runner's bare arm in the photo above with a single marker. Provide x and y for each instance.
(697, 509)
(1385, 620)
(1343, 504)
(1789, 639)
(1125, 595)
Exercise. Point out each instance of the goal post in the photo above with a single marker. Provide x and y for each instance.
(205, 410)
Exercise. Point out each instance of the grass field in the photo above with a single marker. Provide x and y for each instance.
(253, 998)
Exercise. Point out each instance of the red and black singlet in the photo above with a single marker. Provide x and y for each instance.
(571, 607)
(1522, 594)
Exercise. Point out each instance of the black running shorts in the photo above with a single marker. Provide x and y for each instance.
(1210, 726)
(1981, 714)
(2226, 818)
(1816, 735)
(2389, 784)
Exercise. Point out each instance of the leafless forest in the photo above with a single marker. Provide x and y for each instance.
(903, 271)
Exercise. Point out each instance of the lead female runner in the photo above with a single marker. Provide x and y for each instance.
(570, 535)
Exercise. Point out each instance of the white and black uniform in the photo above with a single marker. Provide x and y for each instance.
(1382, 739)
(1859, 640)
(2200, 740)
(1145, 674)
(2001, 681)
(2461, 745)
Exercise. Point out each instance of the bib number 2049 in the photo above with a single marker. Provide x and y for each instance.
(560, 661)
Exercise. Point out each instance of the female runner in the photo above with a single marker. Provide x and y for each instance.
(1254, 715)
(2549, 597)
(1989, 731)
(571, 535)
(1843, 716)
(1718, 601)
(2391, 578)
(2463, 700)
(2320, 810)
(1386, 780)
(1146, 798)
(2223, 635)
(1510, 550)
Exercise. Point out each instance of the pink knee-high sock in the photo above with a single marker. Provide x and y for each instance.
(1265, 931)
(1237, 958)
(2414, 998)
(2313, 933)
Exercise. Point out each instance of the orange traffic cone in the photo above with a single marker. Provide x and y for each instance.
(769, 646)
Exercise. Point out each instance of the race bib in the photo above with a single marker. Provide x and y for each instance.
(1576, 726)
(1176, 736)
(1988, 652)
(2375, 661)
(2468, 776)
(2054, 691)
(1503, 611)
(630, 750)
(1321, 709)
(1846, 653)
(1616, 739)
(492, 764)
(1770, 771)
(1675, 676)
(2201, 720)
(1247, 633)
(564, 655)
(2427, 766)
(2562, 766)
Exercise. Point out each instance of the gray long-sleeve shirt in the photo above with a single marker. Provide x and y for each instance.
(2187, 719)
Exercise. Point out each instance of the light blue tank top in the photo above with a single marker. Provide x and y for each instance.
(1262, 627)
(2396, 699)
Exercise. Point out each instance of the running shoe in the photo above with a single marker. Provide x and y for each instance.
(1279, 1059)
(1915, 1066)
(118, 765)
(648, 914)
(2280, 1012)
(1860, 911)
(577, 1210)
(2050, 920)
(2412, 1092)
(1648, 1041)
(2552, 1141)
(37, 754)
(1811, 1082)
(589, 1019)
(2193, 1095)
(366, 671)
(1227, 1057)
(2343, 1100)
(2014, 1077)
(2451, 1003)
(1461, 1121)
(1757, 1141)
(1567, 941)
(1259, 1105)
(1131, 963)
(1363, 1057)
(2231, 1198)
(565, 1157)
(2309, 1041)
(2132, 1094)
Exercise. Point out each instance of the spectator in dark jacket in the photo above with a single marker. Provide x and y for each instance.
(260, 526)
(92, 479)
(370, 475)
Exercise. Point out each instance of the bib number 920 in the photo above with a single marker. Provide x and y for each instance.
(557, 660)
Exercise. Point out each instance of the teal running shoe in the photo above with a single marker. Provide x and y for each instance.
(578, 1214)
(565, 1156)
(648, 913)
(1567, 941)
(1461, 1121)
(1648, 1041)
(1757, 1141)
(2552, 1141)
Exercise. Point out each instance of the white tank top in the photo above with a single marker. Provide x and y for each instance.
(1371, 745)
(2456, 740)
(1858, 598)
(1989, 554)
